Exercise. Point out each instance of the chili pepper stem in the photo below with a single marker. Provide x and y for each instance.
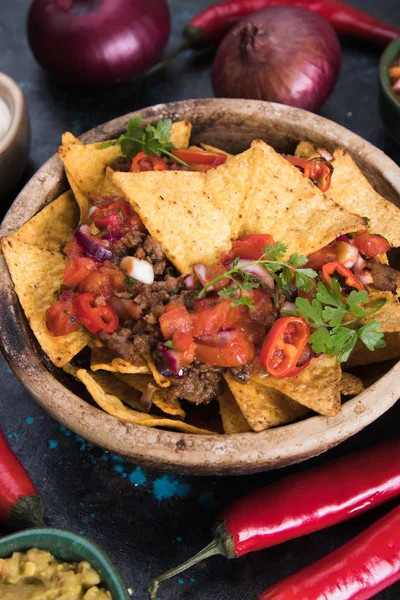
(165, 61)
(221, 544)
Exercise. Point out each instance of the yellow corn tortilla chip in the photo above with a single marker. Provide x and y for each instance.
(114, 386)
(389, 315)
(209, 148)
(352, 190)
(232, 417)
(161, 399)
(113, 405)
(54, 224)
(102, 359)
(263, 407)
(162, 381)
(284, 203)
(351, 385)
(362, 356)
(109, 188)
(68, 138)
(305, 150)
(37, 275)
(177, 212)
(180, 134)
(228, 186)
(80, 198)
(317, 386)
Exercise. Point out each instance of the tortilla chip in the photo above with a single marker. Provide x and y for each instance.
(351, 189)
(263, 407)
(109, 188)
(232, 417)
(209, 148)
(180, 134)
(114, 386)
(317, 387)
(228, 186)
(305, 150)
(54, 224)
(113, 405)
(350, 385)
(161, 399)
(68, 138)
(183, 219)
(162, 381)
(362, 356)
(80, 198)
(102, 359)
(389, 315)
(37, 275)
(288, 205)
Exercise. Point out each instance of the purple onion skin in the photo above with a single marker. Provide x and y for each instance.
(284, 54)
(97, 42)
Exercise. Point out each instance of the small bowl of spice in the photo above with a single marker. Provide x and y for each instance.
(389, 77)
(14, 133)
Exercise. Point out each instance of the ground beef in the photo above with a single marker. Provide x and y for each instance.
(130, 343)
(130, 242)
(385, 278)
(199, 385)
(241, 373)
(122, 163)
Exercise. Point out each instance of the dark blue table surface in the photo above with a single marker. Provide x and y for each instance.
(147, 521)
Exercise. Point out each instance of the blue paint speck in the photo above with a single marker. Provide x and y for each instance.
(119, 468)
(207, 500)
(124, 475)
(167, 488)
(53, 444)
(117, 459)
(14, 436)
(179, 539)
(192, 580)
(92, 515)
(138, 477)
(181, 581)
(105, 457)
(29, 420)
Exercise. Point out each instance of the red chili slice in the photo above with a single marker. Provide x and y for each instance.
(147, 162)
(193, 157)
(95, 317)
(320, 172)
(284, 345)
(336, 267)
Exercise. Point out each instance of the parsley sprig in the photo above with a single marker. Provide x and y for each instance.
(336, 321)
(284, 274)
(151, 140)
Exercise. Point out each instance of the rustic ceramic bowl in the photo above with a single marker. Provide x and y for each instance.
(388, 101)
(14, 144)
(69, 547)
(232, 125)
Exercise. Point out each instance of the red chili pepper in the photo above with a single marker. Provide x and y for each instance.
(210, 25)
(320, 172)
(336, 267)
(358, 570)
(20, 505)
(95, 317)
(147, 162)
(284, 345)
(301, 504)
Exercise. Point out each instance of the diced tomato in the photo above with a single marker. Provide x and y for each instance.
(216, 318)
(72, 248)
(209, 302)
(111, 211)
(95, 317)
(200, 157)
(175, 320)
(263, 304)
(284, 346)
(336, 267)
(238, 351)
(318, 259)
(250, 247)
(147, 162)
(78, 268)
(207, 274)
(182, 340)
(105, 281)
(370, 245)
(61, 318)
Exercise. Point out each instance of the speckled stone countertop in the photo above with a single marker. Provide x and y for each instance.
(147, 521)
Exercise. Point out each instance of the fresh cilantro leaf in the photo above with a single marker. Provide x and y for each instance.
(331, 295)
(297, 260)
(243, 301)
(320, 340)
(121, 215)
(129, 281)
(275, 252)
(169, 344)
(164, 130)
(304, 279)
(133, 126)
(107, 144)
(311, 311)
(286, 278)
(370, 335)
(344, 340)
(250, 284)
(333, 316)
(355, 301)
(228, 292)
(130, 147)
(375, 306)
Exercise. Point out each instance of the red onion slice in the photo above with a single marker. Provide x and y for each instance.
(286, 306)
(189, 281)
(257, 271)
(364, 276)
(171, 360)
(89, 246)
(346, 253)
(200, 271)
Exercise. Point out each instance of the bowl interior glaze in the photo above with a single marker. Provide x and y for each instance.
(232, 125)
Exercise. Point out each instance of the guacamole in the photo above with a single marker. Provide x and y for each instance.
(38, 575)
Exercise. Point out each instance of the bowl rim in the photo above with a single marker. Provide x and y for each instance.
(175, 451)
(25, 539)
(16, 110)
(384, 72)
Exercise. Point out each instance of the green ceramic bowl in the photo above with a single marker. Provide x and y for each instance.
(67, 546)
(389, 103)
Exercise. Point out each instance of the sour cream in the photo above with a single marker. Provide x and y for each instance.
(5, 118)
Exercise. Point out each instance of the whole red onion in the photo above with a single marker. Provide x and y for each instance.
(97, 42)
(282, 54)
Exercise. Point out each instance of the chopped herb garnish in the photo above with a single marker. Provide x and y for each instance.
(130, 281)
(72, 320)
(169, 344)
(151, 140)
(121, 215)
(283, 272)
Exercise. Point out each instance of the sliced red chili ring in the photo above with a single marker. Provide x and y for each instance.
(284, 345)
(336, 267)
(95, 317)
